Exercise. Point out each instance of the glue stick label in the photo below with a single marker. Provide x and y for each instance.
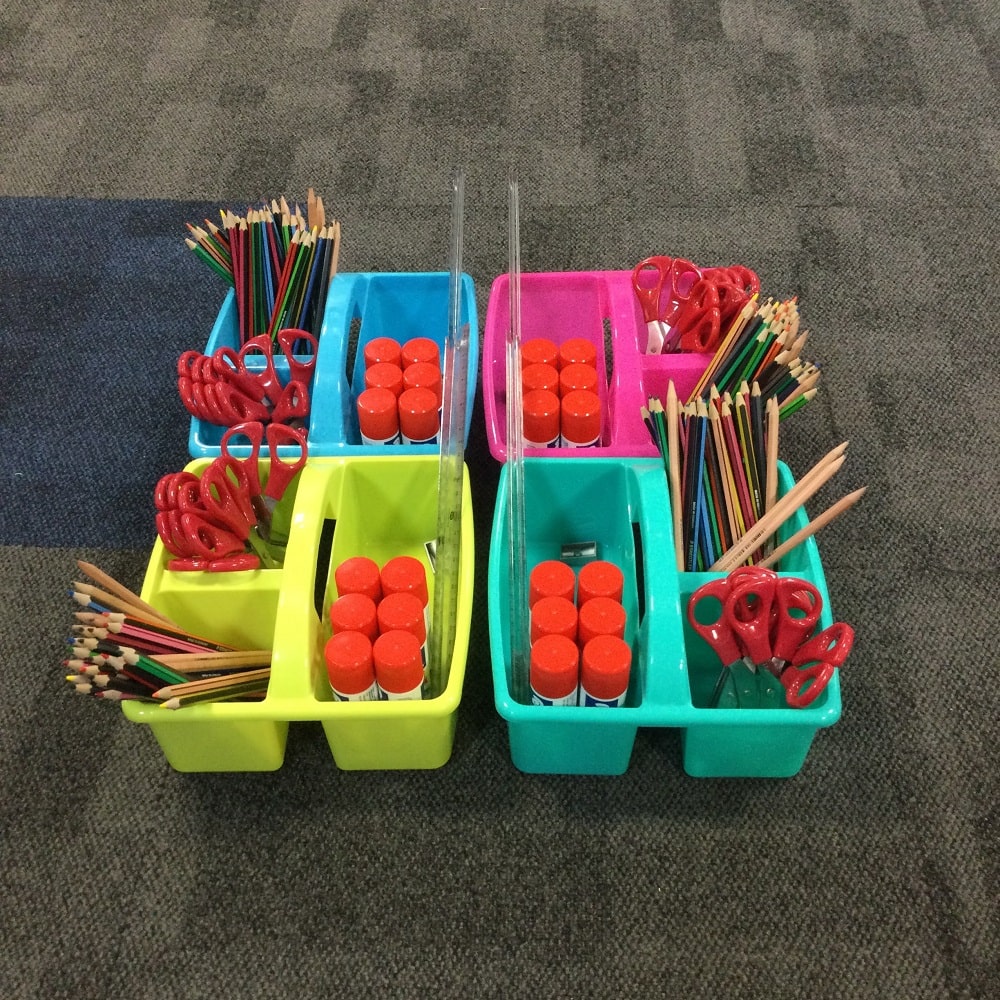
(395, 439)
(566, 443)
(430, 440)
(570, 699)
(554, 443)
(372, 694)
(415, 695)
(589, 701)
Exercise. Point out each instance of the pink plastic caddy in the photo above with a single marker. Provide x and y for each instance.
(602, 307)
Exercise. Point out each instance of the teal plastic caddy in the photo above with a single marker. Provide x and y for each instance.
(623, 505)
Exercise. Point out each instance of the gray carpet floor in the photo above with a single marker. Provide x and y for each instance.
(848, 152)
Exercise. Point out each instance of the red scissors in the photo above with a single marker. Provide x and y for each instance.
(231, 387)
(814, 663)
(200, 544)
(287, 452)
(771, 617)
(687, 307)
(672, 279)
(220, 402)
(736, 684)
(209, 522)
(763, 626)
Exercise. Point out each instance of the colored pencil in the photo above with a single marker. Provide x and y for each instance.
(807, 487)
(279, 263)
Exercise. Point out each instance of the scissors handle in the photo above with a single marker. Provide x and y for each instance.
(797, 608)
(750, 574)
(748, 613)
(234, 404)
(169, 529)
(260, 346)
(187, 363)
(832, 645)
(698, 323)
(225, 497)
(227, 366)
(288, 338)
(715, 632)
(284, 468)
(233, 564)
(292, 405)
(208, 539)
(253, 431)
(803, 685)
(649, 295)
(168, 489)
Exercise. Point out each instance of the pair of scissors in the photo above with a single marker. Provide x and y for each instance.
(687, 307)
(210, 522)
(231, 387)
(762, 630)
(286, 452)
(661, 284)
(189, 531)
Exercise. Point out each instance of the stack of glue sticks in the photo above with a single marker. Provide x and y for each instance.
(763, 346)
(279, 263)
(721, 460)
(124, 649)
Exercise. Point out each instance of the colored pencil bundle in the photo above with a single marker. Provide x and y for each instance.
(279, 263)
(763, 346)
(123, 649)
(721, 456)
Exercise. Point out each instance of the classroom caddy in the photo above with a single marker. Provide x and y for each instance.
(615, 502)
(350, 499)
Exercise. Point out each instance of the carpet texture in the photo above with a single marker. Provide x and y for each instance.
(847, 151)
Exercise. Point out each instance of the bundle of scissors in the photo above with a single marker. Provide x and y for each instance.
(761, 627)
(225, 520)
(687, 307)
(230, 387)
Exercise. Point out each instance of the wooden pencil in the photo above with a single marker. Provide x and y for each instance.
(807, 487)
(110, 584)
(674, 459)
(821, 521)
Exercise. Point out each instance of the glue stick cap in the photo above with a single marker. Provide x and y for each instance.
(378, 416)
(419, 420)
(581, 418)
(604, 670)
(599, 578)
(423, 375)
(420, 349)
(553, 616)
(577, 351)
(539, 351)
(399, 669)
(600, 616)
(539, 376)
(541, 418)
(354, 613)
(572, 377)
(349, 663)
(402, 612)
(383, 375)
(358, 575)
(551, 578)
(381, 349)
(405, 574)
(554, 673)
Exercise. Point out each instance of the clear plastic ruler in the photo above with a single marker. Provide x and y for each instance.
(451, 465)
(516, 531)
